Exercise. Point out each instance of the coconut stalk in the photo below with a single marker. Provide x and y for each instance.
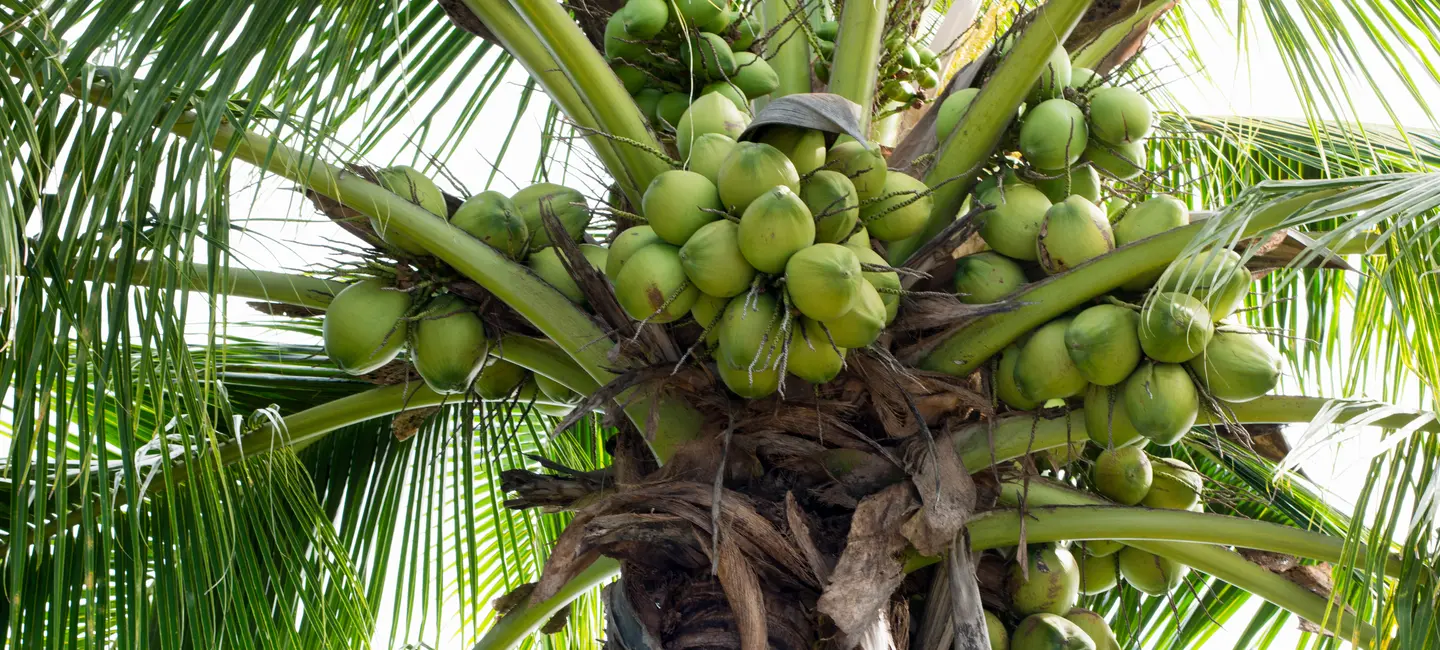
(301, 290)
(960, 158)
(786, 49)
(858, 48)
(1099, 51)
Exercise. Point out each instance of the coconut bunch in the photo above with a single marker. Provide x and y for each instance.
(668, 54)
(908, 69)
(1043, 594)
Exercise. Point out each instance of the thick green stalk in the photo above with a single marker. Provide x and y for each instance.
(581, 66)
(518, 39)
(243, 283)
(968, 347)
(523, 621)
(788, 52)
(1092, 53)
(1215, 561)
(858, 48)
(974, 139)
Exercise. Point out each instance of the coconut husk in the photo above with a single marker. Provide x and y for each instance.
(870, 569)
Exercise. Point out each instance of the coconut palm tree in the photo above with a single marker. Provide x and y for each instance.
(174, 480)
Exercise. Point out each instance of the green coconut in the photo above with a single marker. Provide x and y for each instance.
(1106, 421)
(1054, 77)
(952, 110)
(823, 280)
(1006, 388)
(671, 109)
(1044, 370)
(448, 345)
(708, 56)
(713, 261)
(695, 13)
(886, 283)
(1104, 343)
(643, 19)
(775, 226)
(721, 22)
(652, 285)
(556, 391)
(707, 311)
(987, 277)
(1084, 79)
(1098, 574)
(828, 30)
(678, 202)
(810, 355)
(1073, 232)
(804, 147)
(750, 331)
(902, 213)
(1049, 632)
(1174, 327)
(631, 77)
(1101, 547)
(749, 383)
(1080, 179)
(1161, 401)
(1119, 115)
(498, 379)
(619, 44)
(860, 240)
(1012, 226)
(1122, 161)
(707, 153)
(711, 113)
(1006, 177)
(751, 170)
(1216, 277)
(1053, 583)
(754, 76)
(1093, 624)
(1116, 209)
(648, 99)
(1152, 217)
(409, 184)
(831, 194)
(546, 263)
(1176, 486)
(566, 204)
(625, 244)
(1238, 366)
(1053, 135)
(491, 217)
(1122, 474)
(746, 30)
(865, 167)
(730, 91)
(821, 68)
(995, 632)
(364, 326)
(1150, 573)
(862, 325)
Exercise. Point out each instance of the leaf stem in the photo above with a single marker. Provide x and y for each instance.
(858, 49)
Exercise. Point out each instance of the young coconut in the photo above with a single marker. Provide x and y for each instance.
(364, 326)
(677, 203)
(713, 113)
(707, 153)
(556, 391)
(1216, 277)
(1098, 574)
(823, 280)
(1161, 401)
(1101, 547)
(1150, 573)
(886, 283)
(749, 383)
(567, 205)
(804, 147)
(1119, 161)
(860, 326)
(1104, 343)
(498, 379)
(695, 13)
(1080, 179)
(448, 345)
(1150, 218)
(706, 312)
(630, 76)
(1174, 327)
(1238, 366)
(643, 19)
(708, 56)
(1006, 389)
(671, 109)
(730, 91)
(1123, 474)
(751, 170)
(860, 240)
(648, 99)
(1106, 421)
(409, 184)
(810, 355)
(619, 44)
(1049, 632)
(1093, 624)
(491, 217)
(952, 110)
(754, 76)
(546, 263)
(1054, 77)
(865, 167)
(722, 21)
(750, 331)
(1053, 583)
(1073, 232)
(775, 226)
(1012, 226)
(746, 30)
(995, 631)
(986, 277)
(1085, 79)
(832, 200)
(625, 244)
(713, 261)
(1176, 485)
(653, 286)
(1119, 115)
(902, 213)
(1044, 370)
(1053, 135)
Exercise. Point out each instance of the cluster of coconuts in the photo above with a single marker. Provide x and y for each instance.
(907, 68)
(1076, 629)
(668, 54)
(766, 245)
(368, 322)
